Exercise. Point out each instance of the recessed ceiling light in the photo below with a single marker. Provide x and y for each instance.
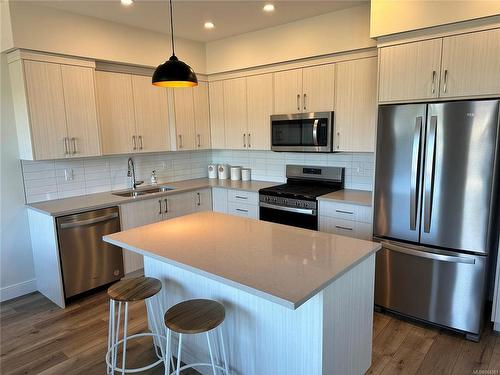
(127, 2)
(209, 25)
(268, 8)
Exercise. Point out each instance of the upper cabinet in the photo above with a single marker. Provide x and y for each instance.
(471, 64)
(235, 113)
(133, 114)
(55, 106)
(217, 127)
(457, 66)
(410, 71)
(259, 110)
(356, 105)
(192, 122)
(304, 90)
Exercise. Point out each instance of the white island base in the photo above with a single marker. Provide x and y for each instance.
(331, 333)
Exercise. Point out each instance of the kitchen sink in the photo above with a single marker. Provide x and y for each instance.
(138, 193)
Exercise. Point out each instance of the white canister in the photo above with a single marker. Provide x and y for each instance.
(223, 171)
(236, 173)
(246, 174)
(212, 171)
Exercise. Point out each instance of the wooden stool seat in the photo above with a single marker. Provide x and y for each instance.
(195, 316)
(134, 289)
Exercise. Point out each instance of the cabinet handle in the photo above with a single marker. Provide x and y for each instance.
(305, 96)
(249, 145)
(338, 140)
(341, 227)
(199, 199)
(345, 212)
(166, 205)
(240, 197)
(134, 142)
(433, 81)
(66, 150)
(241, 210)
(159, 201)
(73, 140)
(199, 141)
(244, 140)
(445, 83)
(140, 142)
(180, 140)
(298, 102)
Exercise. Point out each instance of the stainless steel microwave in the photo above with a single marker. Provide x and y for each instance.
(302, 132)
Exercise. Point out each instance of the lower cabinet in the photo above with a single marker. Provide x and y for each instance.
(148, 211)
(345, 219)
(236, 202)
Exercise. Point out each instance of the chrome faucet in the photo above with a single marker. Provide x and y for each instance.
(131, 173)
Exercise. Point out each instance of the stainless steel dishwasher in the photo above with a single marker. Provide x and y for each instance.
(86, 260)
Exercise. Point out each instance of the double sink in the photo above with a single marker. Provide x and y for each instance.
(139, 192)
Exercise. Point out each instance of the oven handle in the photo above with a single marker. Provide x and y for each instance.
(305, 211)
(315, 132)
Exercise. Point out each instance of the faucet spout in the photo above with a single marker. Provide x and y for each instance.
(131, 173)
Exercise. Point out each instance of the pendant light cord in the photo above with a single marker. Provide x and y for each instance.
(172, 29)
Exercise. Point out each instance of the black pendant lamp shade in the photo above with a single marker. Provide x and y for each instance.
(174, 72)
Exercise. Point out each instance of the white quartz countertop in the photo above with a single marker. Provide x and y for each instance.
(67, 206)
(360, 197)
(283, 264)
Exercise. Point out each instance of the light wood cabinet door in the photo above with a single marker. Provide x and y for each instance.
(259, 110)
(202, 116)
(356, 105)
(217, 128)
(151, 115)
(46, 108)
(471, 64)
(179, 205)
(116, 113)
(318, 88)
(235, 113)
(288, 91)
(184, 119)
(203, 200)
(81, 110)
(410, 71)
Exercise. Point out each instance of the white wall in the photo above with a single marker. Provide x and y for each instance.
(6, 39)
(334, 32)
(16, 260)
(52, 30)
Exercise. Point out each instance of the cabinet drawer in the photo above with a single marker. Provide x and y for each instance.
(247, 197)
(346, 211)
(242, 209)
(347, 228)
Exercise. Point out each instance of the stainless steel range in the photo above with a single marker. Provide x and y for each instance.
(294, 203)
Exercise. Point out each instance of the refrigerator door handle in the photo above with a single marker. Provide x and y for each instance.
(415, 163)
(429, 174)
(427, 255)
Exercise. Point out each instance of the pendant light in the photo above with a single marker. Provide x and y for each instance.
(174, 72)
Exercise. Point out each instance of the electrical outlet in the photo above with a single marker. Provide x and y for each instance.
(68, 174)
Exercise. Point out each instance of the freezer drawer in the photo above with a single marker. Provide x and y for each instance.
(445, 289)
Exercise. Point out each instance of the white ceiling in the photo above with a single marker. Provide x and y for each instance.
(231, 17)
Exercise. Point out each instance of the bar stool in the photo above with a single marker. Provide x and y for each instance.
(193, 317)
(123, 292)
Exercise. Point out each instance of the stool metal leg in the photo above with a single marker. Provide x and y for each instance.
(125, 324)
(169, 353)
(178, 371)
(211, 354)
(110, 331)
(224, 357)
(117, 333)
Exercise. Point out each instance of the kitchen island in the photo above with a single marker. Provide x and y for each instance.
(297, 301)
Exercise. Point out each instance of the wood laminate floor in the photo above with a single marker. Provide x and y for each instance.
(37, 337)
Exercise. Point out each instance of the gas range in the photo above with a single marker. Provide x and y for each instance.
(294, 203)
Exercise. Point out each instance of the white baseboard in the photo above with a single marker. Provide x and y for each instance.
(17, 290)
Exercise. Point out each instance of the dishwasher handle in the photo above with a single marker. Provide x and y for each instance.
(89, 221)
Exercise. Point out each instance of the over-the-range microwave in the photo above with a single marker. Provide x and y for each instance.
(302, 132)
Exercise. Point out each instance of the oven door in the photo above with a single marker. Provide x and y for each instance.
(295, 217)
(305, 132)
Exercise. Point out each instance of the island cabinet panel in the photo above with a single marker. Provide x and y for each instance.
(471, 64)
(260, 108)
(410, 71)
(217, 128)
(356, 105)
(331, 333)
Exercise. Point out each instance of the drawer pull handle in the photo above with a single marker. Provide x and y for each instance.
(345, 212)
(341, 227)
(241, 210)
(240, 197)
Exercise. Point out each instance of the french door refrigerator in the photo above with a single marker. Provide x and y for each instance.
(435, 210)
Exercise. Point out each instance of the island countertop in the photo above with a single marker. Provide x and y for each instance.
(283, 264)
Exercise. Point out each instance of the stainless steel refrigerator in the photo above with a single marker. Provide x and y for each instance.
(436, 209)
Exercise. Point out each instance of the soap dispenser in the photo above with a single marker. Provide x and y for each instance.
(154, 178)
